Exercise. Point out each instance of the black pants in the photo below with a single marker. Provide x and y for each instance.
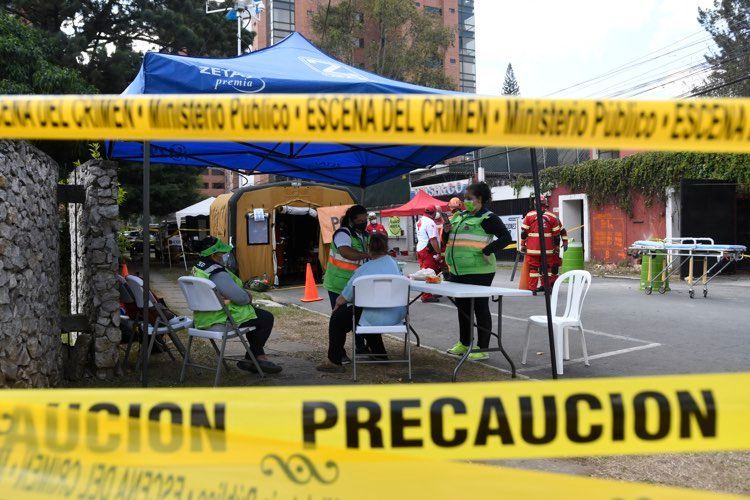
(359, 341)
(481, 310)
(257, 338)
(339, 326)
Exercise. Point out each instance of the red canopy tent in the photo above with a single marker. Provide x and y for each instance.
(416, 206)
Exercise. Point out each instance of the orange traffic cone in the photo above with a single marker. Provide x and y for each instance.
(124, 273)
(523, 281)
(311, 289)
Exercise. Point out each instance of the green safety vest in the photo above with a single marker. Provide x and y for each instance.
(465, 244)
(240, 313)
(339, 268)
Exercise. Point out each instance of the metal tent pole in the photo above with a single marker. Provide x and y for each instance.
(543, 259)
(146, 257)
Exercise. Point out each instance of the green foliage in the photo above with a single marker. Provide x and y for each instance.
(728, 23)
(172, 187)
(409, 44)
(28, 64)
(510, 85)
(615, 181)
(519, 183)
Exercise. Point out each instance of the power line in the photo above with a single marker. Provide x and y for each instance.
(636, 62)
(717, 87)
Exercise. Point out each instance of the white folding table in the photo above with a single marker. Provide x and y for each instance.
(464, 291)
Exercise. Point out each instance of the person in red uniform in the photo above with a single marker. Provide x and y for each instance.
(531, 246)
(428, 247)
(375, 227)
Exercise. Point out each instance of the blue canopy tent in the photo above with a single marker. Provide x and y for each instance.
(292, 66)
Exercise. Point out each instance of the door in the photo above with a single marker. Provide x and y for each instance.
(708, 209)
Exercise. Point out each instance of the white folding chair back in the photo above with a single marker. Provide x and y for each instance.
(380, 291)
(202, 296)
(126, 295)
(577, 285)
(135, 284)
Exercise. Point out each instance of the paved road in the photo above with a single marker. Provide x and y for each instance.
(627, 332)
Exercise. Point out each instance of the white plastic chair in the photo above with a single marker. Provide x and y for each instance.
(577, 283)
(381, 291)
(134, 285)
(202, 296)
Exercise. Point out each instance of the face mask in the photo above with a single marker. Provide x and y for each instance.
(225, 259)
(469, 205)
(360, 227)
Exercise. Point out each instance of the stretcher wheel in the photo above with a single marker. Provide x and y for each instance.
(705, 293)
(648, 290)
(662, 289)
(692, 294)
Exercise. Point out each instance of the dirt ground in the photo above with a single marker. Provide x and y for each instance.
(300, 341)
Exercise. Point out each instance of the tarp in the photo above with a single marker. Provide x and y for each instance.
(203, 207)
(415, 206)
(293, 65)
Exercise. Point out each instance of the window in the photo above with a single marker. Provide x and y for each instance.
(283, 20)
(453, 61)
(205, 185)
(452, 10)
(433, 10)
(257, 230)
(218, 185)
(359, 43)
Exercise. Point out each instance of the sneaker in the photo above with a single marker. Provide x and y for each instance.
(478, 356)
(346, 360)
(458, 350)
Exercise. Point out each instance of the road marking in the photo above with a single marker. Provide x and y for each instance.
(592, 332)
(595, 356)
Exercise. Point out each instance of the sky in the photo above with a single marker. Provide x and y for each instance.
(555, 44)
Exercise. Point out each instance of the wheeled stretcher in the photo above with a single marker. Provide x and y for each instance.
(679, 252)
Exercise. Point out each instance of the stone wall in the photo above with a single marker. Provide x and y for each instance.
(30, 347)
(95, 255)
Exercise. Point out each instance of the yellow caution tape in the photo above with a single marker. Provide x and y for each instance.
(608, 416)
(59, 452)
(720, 125)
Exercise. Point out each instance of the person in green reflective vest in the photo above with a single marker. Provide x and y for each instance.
(470, 255)
(214, 255)
(348, 251)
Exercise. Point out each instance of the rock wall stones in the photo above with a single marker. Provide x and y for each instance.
(95, 256)
(30, 347)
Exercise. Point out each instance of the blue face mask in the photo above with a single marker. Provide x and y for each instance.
(225, 258)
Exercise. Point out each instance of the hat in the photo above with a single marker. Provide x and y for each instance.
(430, 211)
(544, 201)
(454, 203)
(211, 245)
(371, 215)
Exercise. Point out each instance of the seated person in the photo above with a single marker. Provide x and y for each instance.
(341, 319)
(214, 255)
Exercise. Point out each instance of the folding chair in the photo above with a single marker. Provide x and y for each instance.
(202, 296)
(163, 325)
(381, 291)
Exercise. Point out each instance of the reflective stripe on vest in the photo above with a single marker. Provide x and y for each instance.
(464, 253)
(343, 263)
(340, 268)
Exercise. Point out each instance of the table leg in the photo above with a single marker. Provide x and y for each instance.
(500, 336)
(471, 341)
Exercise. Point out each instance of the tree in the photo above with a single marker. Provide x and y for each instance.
(172, 187)
(510, 85)
(409, 45)
(96, 37)
(728, 23)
